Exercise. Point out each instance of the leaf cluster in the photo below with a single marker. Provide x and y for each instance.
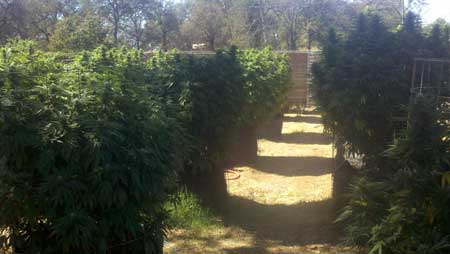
(399, 202)
(220, 94)
(362, 84)
(91, 144)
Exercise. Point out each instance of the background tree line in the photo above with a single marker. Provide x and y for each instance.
(164, 24)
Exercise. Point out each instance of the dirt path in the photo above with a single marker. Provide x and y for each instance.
(280, 204)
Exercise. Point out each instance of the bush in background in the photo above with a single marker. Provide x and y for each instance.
(220, 94)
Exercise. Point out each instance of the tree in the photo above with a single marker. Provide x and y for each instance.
(208, 18)
(439, 33)
(256, 16)
(255, 23)
(323, 14)
(115, 12)
(12, 19)
(135, 24)
(44, 15)
(77, 33)
(32, 18)
(290, 14)
(392, 11)
(305, 22)
(163, 24)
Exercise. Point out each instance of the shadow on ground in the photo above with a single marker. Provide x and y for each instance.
(247, 250)
(307, 138)
(299, 224)
(293, 166)
(304, 119)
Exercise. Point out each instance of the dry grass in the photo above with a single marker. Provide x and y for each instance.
(279, 204)
(277, 149)
(212, 240)
(234, 240)
(295, 127)
(273, 189)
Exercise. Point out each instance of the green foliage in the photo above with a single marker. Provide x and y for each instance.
(220, 93)
(405, 209)
(362, 83)
(85, 158)
(77, 33)
(185, 210)
(91, 144)
(359, 86)
(267, 78)
(209, 91)
(399, 203)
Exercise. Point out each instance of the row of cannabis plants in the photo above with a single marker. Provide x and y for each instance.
(91, 144)
(399, 201)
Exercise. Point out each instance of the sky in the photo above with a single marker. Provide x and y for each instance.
(436, 9)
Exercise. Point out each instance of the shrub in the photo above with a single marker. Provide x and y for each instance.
(85, 159)
(208, 90)
(219, 94)
(399, 201)
(406, 209)
(267, 78)
(185, 210)
(356, 87)
(362, 83)
(91, 144)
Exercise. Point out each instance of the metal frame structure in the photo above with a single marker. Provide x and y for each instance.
(431, 77)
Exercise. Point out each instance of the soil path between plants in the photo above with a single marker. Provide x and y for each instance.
(281, 203)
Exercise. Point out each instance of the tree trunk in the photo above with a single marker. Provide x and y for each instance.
(116, 34)
(293, 40)
(212, 45)
(164, 41)
(309, 39)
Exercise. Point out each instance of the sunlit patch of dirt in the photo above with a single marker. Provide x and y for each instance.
(210, 240)
(293, 115)
(280, 149)
(234, 240)
(271, 189)
(295, 127)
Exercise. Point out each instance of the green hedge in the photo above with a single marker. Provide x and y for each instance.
(86, 152)
(219, 94)
(400, 205)
(399, 200)
(362, 83)
(91, 144)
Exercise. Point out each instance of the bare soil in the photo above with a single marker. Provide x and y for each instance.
(281, 203)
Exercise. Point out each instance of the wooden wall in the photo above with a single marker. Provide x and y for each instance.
(299, 71)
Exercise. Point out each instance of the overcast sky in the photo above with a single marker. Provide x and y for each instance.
(436, 9)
